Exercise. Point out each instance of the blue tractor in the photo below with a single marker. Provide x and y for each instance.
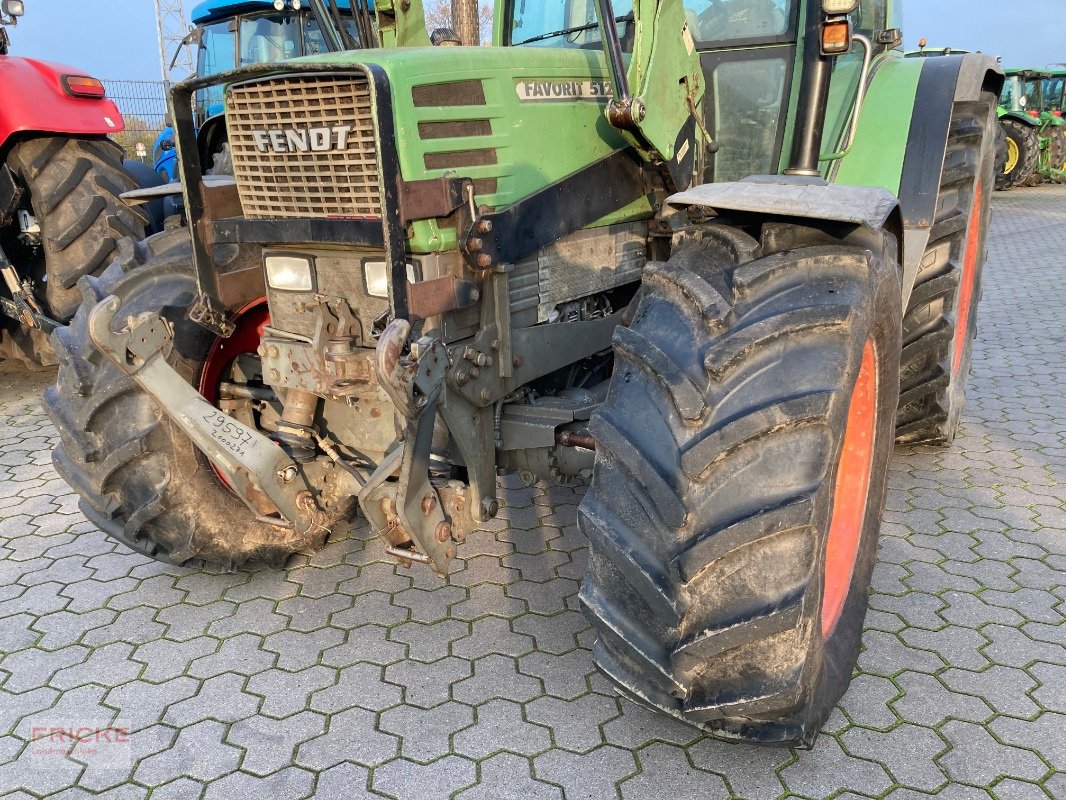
(238, 33)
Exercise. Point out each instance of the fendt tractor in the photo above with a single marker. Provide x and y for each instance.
(698, 253)
(237, 33)
(1036, 137)
(60, 181)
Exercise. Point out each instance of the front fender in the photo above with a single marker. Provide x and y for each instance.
(902, 136)
(34, 101)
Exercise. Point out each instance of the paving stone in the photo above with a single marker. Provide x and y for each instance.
(220, 698)
(285, 693)
(667, 773)
(496, 676)
(1044, 735)
(344, 782)
(908, 752)
(198, 752)
(591, 776)
(426, 732)
(499, 725)
(507, 777)
(1006, 689)
(429, 685)
(750, 771)
(342, 675)
(270, 744)
(827, 769)
(368, 643)
(351, 736)
(975, 757)
(403, 779)
(429, 642)
(576, 724)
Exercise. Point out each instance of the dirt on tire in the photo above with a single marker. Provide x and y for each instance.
(141, 479)
(708, 513)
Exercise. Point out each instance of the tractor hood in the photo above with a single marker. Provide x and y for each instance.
(513, 119)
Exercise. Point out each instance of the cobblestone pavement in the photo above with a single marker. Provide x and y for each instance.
(345, 676)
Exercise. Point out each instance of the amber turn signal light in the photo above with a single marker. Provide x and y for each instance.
(83, 86)
(836, 37)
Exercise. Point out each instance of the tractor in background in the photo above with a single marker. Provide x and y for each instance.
(61, 218)
(1054, 91)
(228, 34)
(715, 256)
(1036, 136)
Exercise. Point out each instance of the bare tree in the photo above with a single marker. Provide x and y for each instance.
(440, 14)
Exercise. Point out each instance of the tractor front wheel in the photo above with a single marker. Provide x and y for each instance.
(741, 465)
(141, 479)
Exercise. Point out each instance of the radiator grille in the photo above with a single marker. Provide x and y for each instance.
(297, 110)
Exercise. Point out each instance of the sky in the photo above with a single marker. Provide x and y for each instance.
(116, 39)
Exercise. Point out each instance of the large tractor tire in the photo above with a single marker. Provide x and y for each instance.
(941, 319)
(26, 347)
(1023, 154)
(1057, 148)
(74, 187)
(1001, 153)
(140, 478)
(740, 477)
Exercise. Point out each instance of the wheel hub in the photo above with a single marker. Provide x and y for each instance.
(1013, 156)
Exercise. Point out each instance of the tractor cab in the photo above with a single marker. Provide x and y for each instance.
(1054, 92)
(230, 34)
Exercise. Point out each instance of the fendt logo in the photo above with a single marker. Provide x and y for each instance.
(305, 140)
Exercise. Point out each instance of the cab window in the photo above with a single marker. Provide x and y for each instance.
(563, 23)
(269, 37)
(218, 53)
(315, 42)
(218, 49)
(717, 21)
(1053, 93)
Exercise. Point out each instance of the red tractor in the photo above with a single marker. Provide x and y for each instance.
(60, 180)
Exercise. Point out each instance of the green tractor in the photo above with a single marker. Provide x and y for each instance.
(715, 257)
(1036, 135)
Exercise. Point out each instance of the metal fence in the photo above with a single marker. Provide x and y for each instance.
(144, 107)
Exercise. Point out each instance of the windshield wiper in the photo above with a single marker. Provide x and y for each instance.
(567, 31)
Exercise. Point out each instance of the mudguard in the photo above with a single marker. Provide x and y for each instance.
(902, 136)
(34, 101)
(1022, 117)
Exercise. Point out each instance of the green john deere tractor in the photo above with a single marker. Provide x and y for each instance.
(1036, 136)
(713, 256)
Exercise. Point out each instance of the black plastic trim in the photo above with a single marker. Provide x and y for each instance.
(928, 139)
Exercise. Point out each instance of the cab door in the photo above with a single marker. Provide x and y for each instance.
(748, 54)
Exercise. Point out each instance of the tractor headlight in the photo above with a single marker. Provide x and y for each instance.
(14, 8)
(377, 277)
(290, 273)
(839, 6)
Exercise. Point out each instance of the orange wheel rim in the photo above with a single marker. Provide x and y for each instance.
(968, 281)
(851, 492)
